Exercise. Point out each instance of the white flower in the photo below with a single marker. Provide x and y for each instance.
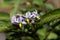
(34, 12)
(28, 14)
(23, 22)
(13, 19)
(20, 18)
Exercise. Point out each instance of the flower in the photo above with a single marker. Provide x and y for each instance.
(28, 14)
(35, 14)
(20, 18)
(23, 22)
(14, 20)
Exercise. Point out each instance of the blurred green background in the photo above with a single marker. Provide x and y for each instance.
(49, 25)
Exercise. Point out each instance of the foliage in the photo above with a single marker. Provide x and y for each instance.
(46, 29)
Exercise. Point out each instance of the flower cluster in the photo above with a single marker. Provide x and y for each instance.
(29, 17)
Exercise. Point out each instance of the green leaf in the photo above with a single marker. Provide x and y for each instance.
(52, 36)
(4, 16)
(42, 13)
(38, 2)
(49, 6)
(55, 21)
(50, 16)
(57, 27)
(4, 26)
(41, 33)
(4, 21)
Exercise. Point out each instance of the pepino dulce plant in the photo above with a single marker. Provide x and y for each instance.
(37, 20)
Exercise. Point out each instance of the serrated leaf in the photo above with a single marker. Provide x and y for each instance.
(54, 22)
(52, 36)
(50, 16)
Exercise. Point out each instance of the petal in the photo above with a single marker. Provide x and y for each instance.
(28, 14)
(24, 22)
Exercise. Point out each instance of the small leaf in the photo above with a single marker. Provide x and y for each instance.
(49, 6)
(38, 2)
(42, 13)
(57, 27)
(41, 33)
(52, 36)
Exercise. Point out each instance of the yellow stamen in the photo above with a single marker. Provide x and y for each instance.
(37, 16)
(20, 25)
(27, 20)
